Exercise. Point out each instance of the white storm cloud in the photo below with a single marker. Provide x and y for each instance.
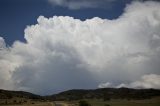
(146, 81)
(105, 85)
(65, 53)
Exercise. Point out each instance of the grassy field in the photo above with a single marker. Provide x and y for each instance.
(24, 102)
(97, 102)
(147, 102)
(36, 104)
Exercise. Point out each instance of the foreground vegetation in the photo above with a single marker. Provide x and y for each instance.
(93, 102)
(15, 101)
(118, 102)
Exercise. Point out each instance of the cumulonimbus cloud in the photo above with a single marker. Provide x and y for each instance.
(63, 53)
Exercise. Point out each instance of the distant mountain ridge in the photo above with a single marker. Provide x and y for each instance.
(107, 93)
(8, 94)
(77, 94)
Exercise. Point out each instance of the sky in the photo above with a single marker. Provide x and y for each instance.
(48, 46)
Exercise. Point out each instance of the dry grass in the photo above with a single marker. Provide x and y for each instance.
(24, 102)
(97, 102)
(122, 102)
(35, 104)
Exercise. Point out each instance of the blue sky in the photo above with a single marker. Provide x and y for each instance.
(15, 15)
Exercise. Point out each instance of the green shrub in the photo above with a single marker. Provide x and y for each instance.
(84, 103)
(106, 105)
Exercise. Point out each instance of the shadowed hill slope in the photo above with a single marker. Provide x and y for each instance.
(107, 93)
(6, 94)
(104, 93)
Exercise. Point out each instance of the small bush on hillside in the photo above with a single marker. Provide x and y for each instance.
(106, 105)
(106, 98)
(84, 103)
